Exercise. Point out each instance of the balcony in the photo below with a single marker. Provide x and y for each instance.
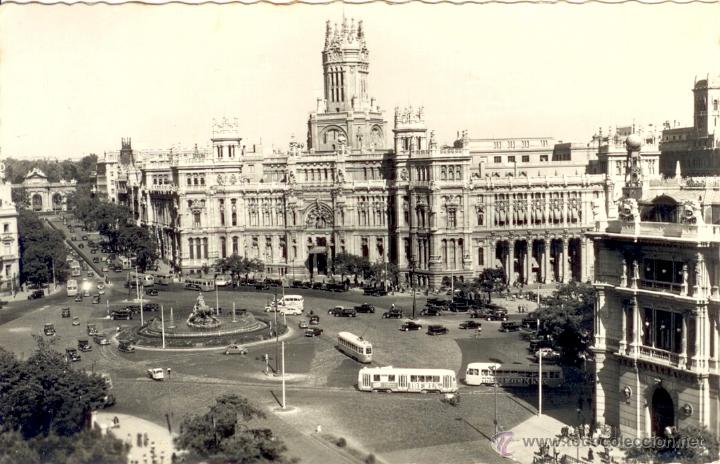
(655, 354)
(688, 232)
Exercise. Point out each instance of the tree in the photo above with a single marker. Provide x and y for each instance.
(42, 250)
(382, 271)
(43, 395)
(686, 445)
(237, 266)
(346, 263)
(223, 434)
(20, 197)
(491, 280)
(567, 317)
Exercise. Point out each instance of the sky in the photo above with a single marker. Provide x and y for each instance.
(76, 79)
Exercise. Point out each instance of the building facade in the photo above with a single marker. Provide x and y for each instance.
(362, 185)
(45, 196)
(9, 238)
(695, 151)
(657, 317)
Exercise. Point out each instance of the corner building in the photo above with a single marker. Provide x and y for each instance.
(657, 317)
(436, 211)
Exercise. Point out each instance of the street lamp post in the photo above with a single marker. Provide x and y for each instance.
(540, 356)
(412, 285)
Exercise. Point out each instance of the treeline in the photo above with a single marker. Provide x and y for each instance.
(82, 170)
(115, 223)
(42, 251)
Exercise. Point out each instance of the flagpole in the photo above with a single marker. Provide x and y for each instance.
(282, 345)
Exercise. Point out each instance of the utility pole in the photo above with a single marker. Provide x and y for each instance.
(495, 394)
(162, 324)
(233, 319)
(283, 374)
(540, 356)
(412, 285)
(217, 301)
(277, 336)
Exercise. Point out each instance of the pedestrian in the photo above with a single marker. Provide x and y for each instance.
(169, 372)
(591, 456)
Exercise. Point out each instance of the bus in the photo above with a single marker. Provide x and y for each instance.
(160, 278)
(355, 347)
(512, 375)
(72, 287)
(202, 285)
(75, 270)
(396, 379)
(146, 280)
(293, 302)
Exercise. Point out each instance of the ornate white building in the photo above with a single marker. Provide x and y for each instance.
(9, 243)
(440, 211)
(43, 195)
(657, 318)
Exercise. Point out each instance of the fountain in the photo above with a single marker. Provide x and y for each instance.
(202, 315)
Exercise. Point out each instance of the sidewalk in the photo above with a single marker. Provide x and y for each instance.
(159, 447)
(523, 442)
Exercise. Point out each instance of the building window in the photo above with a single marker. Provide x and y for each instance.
(543, 157)
(525, 158)
(190, 247)
(205, 247)
(663, 274)
(662, 330)
(511, 159)
(481, 257)
(452, 218)
(497, 159)
(235, 245)
(233, 219)
(223, 247)
(189, 180)
(6, 227)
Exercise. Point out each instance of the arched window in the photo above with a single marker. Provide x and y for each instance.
(235, 245)
(190, 247)
(223, 247)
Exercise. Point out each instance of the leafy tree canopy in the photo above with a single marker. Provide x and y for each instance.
(223, 435)
(688, 445)
(41, 250)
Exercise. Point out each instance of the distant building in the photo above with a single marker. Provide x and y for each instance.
(695, 150)
(657, 317)
(361, 185)
(45, 196)
(9, 239)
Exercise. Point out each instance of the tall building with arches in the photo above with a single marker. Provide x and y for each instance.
(387, 191)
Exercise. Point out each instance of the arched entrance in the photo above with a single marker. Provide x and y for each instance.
(57, 202)
(662, 412)
(37, 203)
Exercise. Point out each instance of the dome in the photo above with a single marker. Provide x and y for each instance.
(633, 142)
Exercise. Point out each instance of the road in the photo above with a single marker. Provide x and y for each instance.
(321, 381)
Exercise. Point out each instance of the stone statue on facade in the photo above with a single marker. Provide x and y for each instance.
(635, 273)
(628, 210)
(690, 213)
(623, 275)
(684, 287)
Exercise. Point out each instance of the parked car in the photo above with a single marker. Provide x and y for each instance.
(80, 245)
(96, 299)
(236, 349)
(410, 325)
(156, 373)
(66, 312)
(73, 238)
(106, 269)
(151, 292)
(122, 314)
(340, 311)
(314, 320)
(76, 321)
(92, 330)
(393, 314)
(313, 332)
(95, 259)
(430, 312)
(530, 321)
(71, 355)
(126, 347)
(117, 269)
(365, 308)
(84, 237)
(101, 339)
(497, 315)
(49, 329)
(470, 325)
(437, 330)
(78, 298)
(478, 313)
(84, 344)
(303, 324)
(509, 327)
(296, 284)
(36, 294)
(459, 307)
(92, 252)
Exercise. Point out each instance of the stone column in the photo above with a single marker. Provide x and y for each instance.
(684, 341)
(636, 327)
(698, 358)
(564, 261)
(511, 261)
(546, 260)
(623, 328)
(528, 254)
(599, 323)
(583, 260)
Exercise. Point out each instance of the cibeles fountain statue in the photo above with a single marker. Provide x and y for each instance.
(202, 315)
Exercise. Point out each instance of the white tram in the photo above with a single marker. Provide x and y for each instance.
(512, 375)
(397, 379)
(355, 347)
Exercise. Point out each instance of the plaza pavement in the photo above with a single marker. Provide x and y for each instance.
(159, 443)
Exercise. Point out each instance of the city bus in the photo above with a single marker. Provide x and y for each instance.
(160, 278)
(202, 285)
(75, 270)
(72, 287)
(293, 302)
(397, 379)
(146, 280)
(512, 375)
(355, 347)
